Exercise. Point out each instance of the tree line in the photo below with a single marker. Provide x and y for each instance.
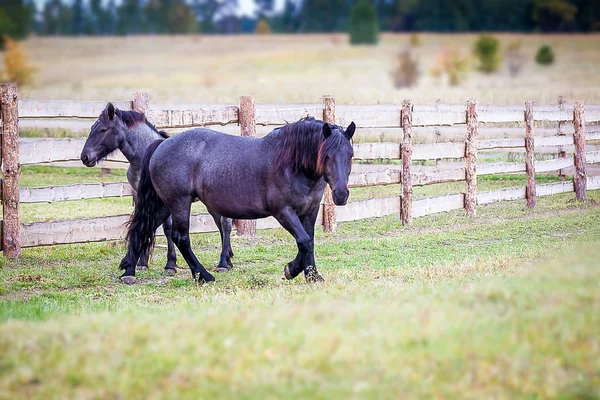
(18, 18)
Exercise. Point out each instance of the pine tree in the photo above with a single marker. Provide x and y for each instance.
(364, 27)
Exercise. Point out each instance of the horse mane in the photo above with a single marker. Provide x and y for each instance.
(131, 118)
(302, 146)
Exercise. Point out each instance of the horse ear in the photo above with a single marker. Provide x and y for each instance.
(326, 130)
(111, 110)
(350, 130)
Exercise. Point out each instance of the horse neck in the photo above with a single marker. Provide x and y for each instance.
(137, 139)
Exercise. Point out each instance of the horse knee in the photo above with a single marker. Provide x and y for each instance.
(305, 246)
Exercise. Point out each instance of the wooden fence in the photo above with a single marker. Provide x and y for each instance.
(27, 151)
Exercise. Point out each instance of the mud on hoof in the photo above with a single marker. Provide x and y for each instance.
(222, 269)
(141, 267)
(314, 277)
(170, 271)
(203, 279)
(129, 279)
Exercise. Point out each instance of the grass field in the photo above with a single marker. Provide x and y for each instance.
(505, 305)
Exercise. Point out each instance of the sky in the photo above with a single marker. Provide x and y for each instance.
(246, 6)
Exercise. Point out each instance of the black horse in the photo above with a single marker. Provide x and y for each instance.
(282, 175)
(130, 132)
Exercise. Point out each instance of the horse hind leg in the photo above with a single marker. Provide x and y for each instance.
(224, 225)
(170, 268)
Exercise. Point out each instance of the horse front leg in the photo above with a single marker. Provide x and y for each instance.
(308, 222)
(290, 221)
(170, 268)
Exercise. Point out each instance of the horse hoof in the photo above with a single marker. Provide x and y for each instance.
(170, 271)
(287, 273)
(222, 269)
(129, 280)
(314, 278)
(141, 267)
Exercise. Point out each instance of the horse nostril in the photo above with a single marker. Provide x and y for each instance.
(84, 158)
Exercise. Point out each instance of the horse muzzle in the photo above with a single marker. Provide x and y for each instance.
(88, 160)
(340, 196)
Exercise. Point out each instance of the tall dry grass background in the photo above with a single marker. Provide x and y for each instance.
(300, 69)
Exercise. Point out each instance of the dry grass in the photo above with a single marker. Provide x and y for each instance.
(298, 69)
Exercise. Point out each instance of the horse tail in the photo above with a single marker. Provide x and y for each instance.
(147, 215)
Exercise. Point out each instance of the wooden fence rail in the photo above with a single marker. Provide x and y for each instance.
(408, 118)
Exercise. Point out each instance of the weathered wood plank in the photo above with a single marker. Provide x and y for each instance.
(49, 194)
(368, 209)
(82, 230)
(439, 115)
(550, 141)
(500, 143)
(592, 157)
(73, 125)
(554, 165)
(554, 188)
(493, 196)
(186, 116)
(35, 150)
(593, 182)
(392, 176)
(440, 176)
(496, 114)
(593, 135)
(373, 151)
(433, 205)
(434, 151)
(385, 177)
(66, 108)
(283, 114)
(371, 116)
(74, 231)
(500, 168)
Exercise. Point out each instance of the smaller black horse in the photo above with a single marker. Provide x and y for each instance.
(282, 175)
(130, 132)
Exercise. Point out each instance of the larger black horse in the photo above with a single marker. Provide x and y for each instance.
(282, 175)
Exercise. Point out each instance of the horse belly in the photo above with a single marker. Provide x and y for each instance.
(234, 199)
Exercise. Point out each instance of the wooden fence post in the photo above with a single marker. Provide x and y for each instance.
(471, 159)
(579, 137)
(11, 169)
(141, 102)
(329, 217)
(406, 154)
(561, 151)
(247, 118)
(529, 162)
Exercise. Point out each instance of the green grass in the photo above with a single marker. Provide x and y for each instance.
(505, 305)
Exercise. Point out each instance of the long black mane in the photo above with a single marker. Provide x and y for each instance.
(131, 118)
(302, 146)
